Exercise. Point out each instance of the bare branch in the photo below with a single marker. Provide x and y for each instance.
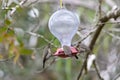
(96, 68)
(84, 4)
(117, 77)
(114, 30)
(81, 71)
(99, 8)
(112, 14)
(3, 60)
(111, 3)
(13, 9)
(41, 36)
(114, 36)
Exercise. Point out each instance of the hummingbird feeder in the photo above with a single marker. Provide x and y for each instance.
(63, 24)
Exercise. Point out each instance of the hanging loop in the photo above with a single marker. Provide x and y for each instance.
(61, 3)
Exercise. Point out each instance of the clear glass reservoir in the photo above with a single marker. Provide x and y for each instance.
(63, 24)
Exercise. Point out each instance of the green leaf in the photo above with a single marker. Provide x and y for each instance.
(25, 51)
(1, 39)
(3, 29)
(10, 32)
(7, 22)
(11, 54)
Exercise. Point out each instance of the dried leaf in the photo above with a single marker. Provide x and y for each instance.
(90, 60)
(17, 55)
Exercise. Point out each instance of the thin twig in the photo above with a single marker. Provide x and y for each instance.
(6, 59)
(114, 36)
(96, 68)
(3, 60)
(111, 3)
(99, 9)
(114, 30)
(81, 71)
(81, 40)
(49, 64)
(13, 9)
(111, 22)
(116, 77)
(41, 36)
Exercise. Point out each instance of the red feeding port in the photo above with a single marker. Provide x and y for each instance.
(60, 52)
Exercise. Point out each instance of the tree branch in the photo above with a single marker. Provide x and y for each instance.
(112, 14)
(115, 13)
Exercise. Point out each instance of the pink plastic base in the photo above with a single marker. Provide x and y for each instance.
(60, 52)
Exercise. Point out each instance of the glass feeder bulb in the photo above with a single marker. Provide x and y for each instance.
(63, 24)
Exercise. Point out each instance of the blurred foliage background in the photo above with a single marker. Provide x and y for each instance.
(25, 38)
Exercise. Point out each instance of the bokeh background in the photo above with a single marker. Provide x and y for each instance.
(30, 23)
